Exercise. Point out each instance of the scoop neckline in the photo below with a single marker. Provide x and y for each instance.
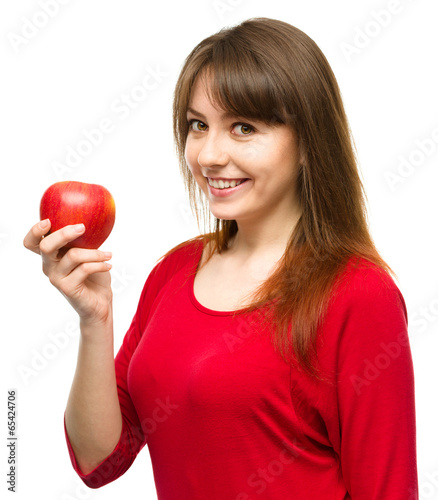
(194, 300)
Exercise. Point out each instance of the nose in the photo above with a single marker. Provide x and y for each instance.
(213, 151)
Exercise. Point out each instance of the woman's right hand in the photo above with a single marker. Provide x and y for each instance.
(80, 274)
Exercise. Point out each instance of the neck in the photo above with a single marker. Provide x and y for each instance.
(264, 240)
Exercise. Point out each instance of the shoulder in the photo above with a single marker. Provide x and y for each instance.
(178, 257)
(366, 312)
(181, 256)
(361, 277)
(365, 286)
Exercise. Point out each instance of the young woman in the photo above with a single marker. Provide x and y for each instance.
(268, 358)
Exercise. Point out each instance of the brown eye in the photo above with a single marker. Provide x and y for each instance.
(244, 129)
(198, 125)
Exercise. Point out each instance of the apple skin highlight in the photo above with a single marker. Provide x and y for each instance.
(72, 202)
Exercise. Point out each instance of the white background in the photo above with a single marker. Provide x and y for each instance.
(68, 76)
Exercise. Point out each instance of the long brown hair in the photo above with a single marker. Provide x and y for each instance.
(268, 70)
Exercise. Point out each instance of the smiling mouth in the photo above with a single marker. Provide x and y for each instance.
(225, 183)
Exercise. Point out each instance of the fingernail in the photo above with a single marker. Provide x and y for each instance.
(44, 223)
(107, 255)
(79, 228)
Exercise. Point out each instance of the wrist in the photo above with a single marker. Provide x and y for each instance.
(96, 329)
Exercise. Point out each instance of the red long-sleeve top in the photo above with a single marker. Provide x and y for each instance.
(226, 418)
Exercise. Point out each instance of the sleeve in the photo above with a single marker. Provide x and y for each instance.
(132, 438)
(375, 391)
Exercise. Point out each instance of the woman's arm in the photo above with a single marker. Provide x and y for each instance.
(376, 396)
(92, 417)
(100, 422)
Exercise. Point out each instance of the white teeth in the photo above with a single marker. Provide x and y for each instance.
(222, 185)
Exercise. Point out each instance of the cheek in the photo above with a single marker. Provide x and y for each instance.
(187, 153)
(190, 156)
(260, 158)
(253, 151)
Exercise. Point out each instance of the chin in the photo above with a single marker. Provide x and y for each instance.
(222, 216)
(218, 215)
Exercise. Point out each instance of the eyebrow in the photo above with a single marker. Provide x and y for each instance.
(226, 114)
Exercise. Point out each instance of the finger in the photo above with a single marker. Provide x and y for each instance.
(76, 256)
(51, 244)
(72, 284)
(33, 238)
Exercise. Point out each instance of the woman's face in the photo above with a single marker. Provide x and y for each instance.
(231, 147)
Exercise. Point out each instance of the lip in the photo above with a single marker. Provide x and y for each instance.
(227, 178)
(222, 193)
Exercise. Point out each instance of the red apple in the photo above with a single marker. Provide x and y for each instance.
(71, 202)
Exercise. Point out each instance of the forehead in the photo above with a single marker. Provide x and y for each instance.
(201, 99)
(201, 94)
